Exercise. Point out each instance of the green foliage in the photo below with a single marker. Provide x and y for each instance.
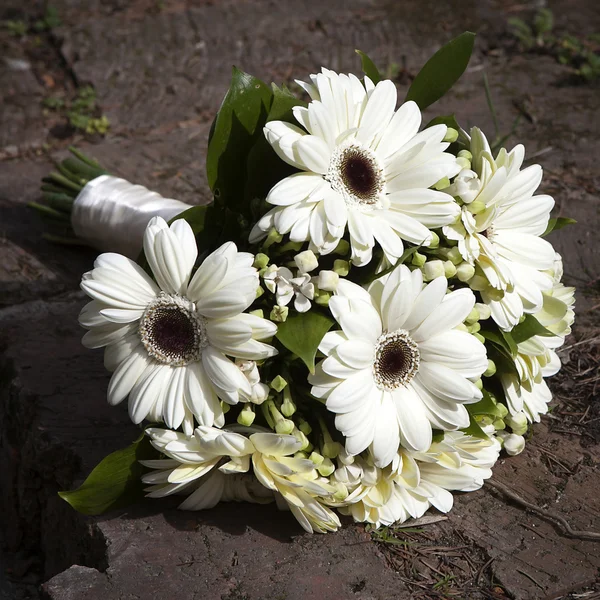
(580, 53)
(369, 68)
(16, 28)
(474, 429)
(441, 71)
(263, 167)
(302, 333)
(50, 20)
(115, 482)
(237, 127)
(486, 406)
(529, 327)
(82, 112)
(558, 223)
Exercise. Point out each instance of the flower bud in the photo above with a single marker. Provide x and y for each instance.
(479, 337)
(279, 314)
(451, 135)
(306, 445)
(483, 420)
(328, 281)
(442, 184)
(478, 384)
(449, 269)
(513, 444)
(499, 425)
(285, 427)
(464, 271)
(305, 427)
(342, 248)
(433, 269)
(435, 241)
(259, 292)
(472, 317)
(274, 237)
(502, 410)
(341, 267)
(260, 261)
(476, 207)
(306, 261)
(491, 368)
(225, 407)
(475, 328)
(453, 254)
(418, 259)
(479, 283)
(316, 458)
(465, 154)
(288, 407)
(518, 423)
(278, 383)
(322, 299)
(485, 312)
(326, 468)
(246, 416)
(257, 313)
(463, 163)
(331, 449)
(341, 492)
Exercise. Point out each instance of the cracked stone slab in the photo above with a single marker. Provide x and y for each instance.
(233, 551)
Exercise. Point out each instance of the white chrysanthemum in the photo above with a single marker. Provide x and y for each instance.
(293, 479)
(365, 168)
(190, 468)
(500, 228)
(167, 342)
(398, 366)
(459, 462)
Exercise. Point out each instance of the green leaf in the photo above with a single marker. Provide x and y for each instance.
(475, 430)
(302, 333)
(238, 124)
(486, 406)
(556, 224)
(115, 482)
(501, 341)
(441, 71)
(264, 168)
(369, 68)
(448, 120)
(528, 328)
(510, 342)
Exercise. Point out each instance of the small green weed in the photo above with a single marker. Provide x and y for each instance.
(582, 54)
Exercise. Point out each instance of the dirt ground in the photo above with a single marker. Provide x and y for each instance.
(159, 70)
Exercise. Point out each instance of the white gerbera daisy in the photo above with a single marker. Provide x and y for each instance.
(398, 367)
(167, 342)
(500, 228)
(192, 468)
(364, 167)
(459, 462)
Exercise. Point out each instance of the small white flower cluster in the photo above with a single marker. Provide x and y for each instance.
(417, 277)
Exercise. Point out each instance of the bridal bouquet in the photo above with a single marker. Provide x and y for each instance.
(358, 323)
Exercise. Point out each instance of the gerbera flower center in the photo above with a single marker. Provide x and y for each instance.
(396, 360)
(172, 332)
(355, 173)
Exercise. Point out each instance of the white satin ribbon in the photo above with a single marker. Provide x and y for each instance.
(111, 214)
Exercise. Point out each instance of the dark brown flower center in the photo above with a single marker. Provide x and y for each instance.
(355, 173)
(396, 360)
(358, 173)
(172, 332)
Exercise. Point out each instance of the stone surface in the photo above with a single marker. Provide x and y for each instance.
(160, 71)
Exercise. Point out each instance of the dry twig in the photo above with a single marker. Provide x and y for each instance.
(567, 530)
